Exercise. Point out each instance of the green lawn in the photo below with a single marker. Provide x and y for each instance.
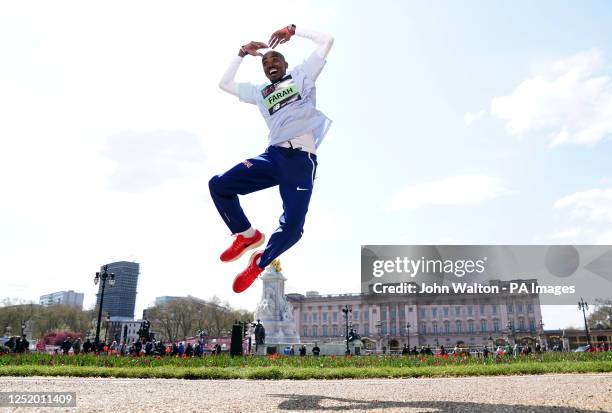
(299, 368)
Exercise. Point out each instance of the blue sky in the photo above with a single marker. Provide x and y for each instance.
(445, 117)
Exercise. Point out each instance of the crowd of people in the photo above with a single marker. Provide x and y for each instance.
(18, 344)
(153, 347)
(139, 347)
(483, 351)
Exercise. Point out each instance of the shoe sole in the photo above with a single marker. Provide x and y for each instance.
(251, 260)
(250, 247)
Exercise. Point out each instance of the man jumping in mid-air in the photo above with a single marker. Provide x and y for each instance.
(297, 128)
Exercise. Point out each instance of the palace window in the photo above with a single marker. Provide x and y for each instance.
(483, 325)
(315, 331)
(325, 317)
(509, 308)
(519, 308)
(335, 331)
(532, 324)
(471, 326)
(355, 315)
(324, 331)
(423, 329)
(530, 308)
(434, 312)
(458, 326)
(482, 309)
(305, 331)
(522, 324)
(496, 325)
(470, 310)
(335, 316)
(366, 330)
(446, 327)
(494, 309)
(445, 311)
(457, 310)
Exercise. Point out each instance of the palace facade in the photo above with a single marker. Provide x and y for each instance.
(388, 323)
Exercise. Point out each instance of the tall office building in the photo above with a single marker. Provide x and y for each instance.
(69, 297)
(120, 300)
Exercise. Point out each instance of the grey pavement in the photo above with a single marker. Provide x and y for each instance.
(546, 393)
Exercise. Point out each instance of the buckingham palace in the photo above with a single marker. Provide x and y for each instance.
(472, 320)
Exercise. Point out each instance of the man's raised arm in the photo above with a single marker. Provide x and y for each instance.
(228, 83)
(324, 41)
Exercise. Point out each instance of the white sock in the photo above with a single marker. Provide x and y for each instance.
(248, 233)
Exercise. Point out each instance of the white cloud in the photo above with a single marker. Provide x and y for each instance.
(591, 211)
(593, 205)
(570, 100)
(470, 117)
(454, 190)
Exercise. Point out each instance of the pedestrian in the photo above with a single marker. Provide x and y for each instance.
(316, 350)
(296, 128)
(76, 346)
(88, 346)
(25, 345)
(66, 345)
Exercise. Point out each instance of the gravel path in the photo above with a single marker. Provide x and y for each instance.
(547, 393)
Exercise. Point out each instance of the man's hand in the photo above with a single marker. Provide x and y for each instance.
(252, 49)
(281, 36)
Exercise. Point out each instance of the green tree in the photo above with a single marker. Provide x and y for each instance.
(602, 316)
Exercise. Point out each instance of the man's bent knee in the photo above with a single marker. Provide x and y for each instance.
(215, 184)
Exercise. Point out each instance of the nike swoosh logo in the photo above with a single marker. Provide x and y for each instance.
(303, 189)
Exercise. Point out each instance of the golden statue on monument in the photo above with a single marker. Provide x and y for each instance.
(276, 264)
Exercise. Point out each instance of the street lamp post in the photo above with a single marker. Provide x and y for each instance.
(436, 331)
(582, 305)
(104, 275)
(346, 310)
(378, 325)
(408, 334)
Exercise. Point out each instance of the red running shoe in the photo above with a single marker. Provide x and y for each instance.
(241, 245)
(249, 275)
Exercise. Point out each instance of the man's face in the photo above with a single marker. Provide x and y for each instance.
(274, 66)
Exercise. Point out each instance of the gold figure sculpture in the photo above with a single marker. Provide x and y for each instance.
(276, 264)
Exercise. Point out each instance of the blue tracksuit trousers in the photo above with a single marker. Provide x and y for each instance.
(292, 170)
